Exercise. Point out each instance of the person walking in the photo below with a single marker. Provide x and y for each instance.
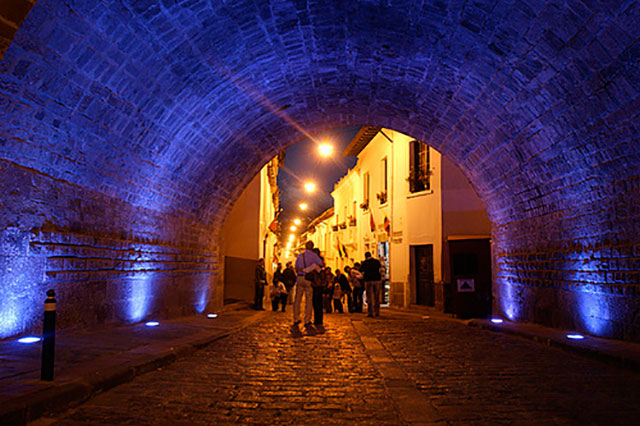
(327, 296)
(342, 281)
(355, 276)
(337, 298)
(260, 280)
(308, 265)
(372, 283)
(289, 279)
(318, 286)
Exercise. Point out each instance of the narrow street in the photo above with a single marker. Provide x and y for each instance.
(399, 369)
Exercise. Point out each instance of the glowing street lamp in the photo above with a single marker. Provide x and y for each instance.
(293, 228)
(325, 150)
(310, 187)
(303, 206)
(297, 221)
(291, 237)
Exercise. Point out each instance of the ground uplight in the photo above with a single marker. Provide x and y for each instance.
(575, 336)
(28, 339)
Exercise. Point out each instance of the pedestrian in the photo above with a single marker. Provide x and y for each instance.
(327, 295)
(260, 280)
(337, 298)
(318, 286)
(277, 275)
(308, 263)
(373, 284)
(278, 295)
(289, 280)
(355, 277)
(343, 282)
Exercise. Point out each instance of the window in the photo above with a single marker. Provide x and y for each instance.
(385, 171)
(366, 188)
(419, 174)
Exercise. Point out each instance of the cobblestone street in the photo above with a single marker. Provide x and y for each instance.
(399, 369)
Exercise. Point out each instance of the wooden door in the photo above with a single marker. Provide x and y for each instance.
(423, 261)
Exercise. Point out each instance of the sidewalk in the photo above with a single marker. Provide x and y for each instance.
(87, 363)
(623, 354)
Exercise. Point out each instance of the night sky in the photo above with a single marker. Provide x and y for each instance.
(303, 163)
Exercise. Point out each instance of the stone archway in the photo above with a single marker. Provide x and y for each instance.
(129, 128)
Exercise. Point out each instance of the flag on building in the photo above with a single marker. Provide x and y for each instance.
(273, 226)
(372, 224)
(387, 225)
(344, 251)
(338, 247)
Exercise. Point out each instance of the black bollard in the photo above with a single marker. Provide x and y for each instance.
(48, 336)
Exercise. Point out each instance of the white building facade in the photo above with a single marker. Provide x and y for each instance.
(414, 210)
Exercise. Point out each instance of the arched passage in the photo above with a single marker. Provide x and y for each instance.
(128, 128)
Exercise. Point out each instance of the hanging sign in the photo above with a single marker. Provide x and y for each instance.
(466, 285)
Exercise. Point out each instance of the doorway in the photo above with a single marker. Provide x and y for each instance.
(383, 257)
(470, 262)
(423, 260)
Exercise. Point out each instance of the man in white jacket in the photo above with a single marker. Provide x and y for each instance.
(306, 262)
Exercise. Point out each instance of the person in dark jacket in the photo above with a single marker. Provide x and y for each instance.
(356, 278)
(372, 284)
(277, 275)
(289, 279)
(260, 281)
(343, 282)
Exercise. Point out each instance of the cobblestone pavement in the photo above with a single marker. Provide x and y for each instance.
(363, 375)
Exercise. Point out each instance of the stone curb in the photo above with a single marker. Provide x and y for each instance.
(593, 347)
(66, 392)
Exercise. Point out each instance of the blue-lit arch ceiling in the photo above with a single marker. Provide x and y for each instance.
(172, 107)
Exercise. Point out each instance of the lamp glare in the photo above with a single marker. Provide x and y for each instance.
(325, 150)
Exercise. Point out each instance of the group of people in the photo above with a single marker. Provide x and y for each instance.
(321, 288)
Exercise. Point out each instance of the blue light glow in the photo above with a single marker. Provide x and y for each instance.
(212, 315)
(152, 323)
(139, 298)
(594, 307)
(22, 297)
(496, 320)
(29, 339)
(508, 300)
(201, 289)
(594, 311)
(575, 336)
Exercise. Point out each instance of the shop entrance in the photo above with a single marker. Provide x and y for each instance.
(383, 257)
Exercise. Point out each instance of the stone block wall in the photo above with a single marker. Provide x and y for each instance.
(138, 123)
(109, 262)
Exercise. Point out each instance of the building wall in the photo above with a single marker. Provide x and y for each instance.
(246, 237)
(416, 219)
(463, 213)
(449, 207)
